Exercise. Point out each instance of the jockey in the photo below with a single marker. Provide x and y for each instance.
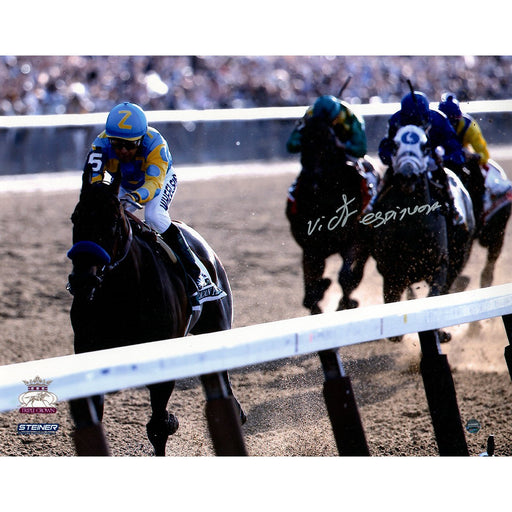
(415, 110)
(141, 154)
(349, 131)
(348, 127)
(467, 129)
(470, 136)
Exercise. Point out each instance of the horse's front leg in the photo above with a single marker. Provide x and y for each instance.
(493, 253)
(393, 289)
(315, 285)
(439, 281)
(487, 275)
(351, 275)
(162, 424)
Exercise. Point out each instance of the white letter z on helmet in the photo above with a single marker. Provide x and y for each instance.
(126, 121)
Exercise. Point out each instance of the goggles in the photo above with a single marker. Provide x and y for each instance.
(127, 144)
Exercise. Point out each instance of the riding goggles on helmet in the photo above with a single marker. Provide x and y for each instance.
(127, 144)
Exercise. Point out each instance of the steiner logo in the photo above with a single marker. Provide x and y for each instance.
(38, 428)
(37, 399)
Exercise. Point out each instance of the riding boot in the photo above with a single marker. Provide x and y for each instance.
(205, 289)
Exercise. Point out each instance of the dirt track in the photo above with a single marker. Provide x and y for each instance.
(244, 221)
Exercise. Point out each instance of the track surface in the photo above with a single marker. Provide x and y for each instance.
(243, 218)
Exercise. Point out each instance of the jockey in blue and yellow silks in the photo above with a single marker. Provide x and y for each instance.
(467, 129)
(144, 176)
(476, 153)
(141, 155)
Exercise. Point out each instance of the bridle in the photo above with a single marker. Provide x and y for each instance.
(108, 262)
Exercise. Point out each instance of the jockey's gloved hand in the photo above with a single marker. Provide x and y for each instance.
(339, 144)
(130, 203)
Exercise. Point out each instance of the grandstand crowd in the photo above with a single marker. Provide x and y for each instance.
(82, 84)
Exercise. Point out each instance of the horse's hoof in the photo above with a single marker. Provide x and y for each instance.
(315, 294)
(461, 283)
(159, 431)
(444, 337)
(347, 304)
(173, 424)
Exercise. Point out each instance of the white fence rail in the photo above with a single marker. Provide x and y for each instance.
(80, 375)
(232, 114)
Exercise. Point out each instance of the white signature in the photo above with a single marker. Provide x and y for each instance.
(378, 218)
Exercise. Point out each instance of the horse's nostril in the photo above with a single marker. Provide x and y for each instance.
(407, 168)
(70, 286)
(83, 285)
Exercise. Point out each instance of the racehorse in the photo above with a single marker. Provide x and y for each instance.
(127, 291)
(496, 213)
(411, 236)
(322, 208)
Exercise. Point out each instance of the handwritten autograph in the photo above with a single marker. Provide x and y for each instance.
(378, 218)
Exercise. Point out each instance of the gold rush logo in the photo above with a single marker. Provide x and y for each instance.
(37, 399)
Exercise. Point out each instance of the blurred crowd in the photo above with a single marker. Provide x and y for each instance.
(82, 84)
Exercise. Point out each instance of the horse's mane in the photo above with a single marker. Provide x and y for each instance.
(100, 191)
(97, 197)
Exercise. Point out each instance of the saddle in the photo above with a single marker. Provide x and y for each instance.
(195, 301)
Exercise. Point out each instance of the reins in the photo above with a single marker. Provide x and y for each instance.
(129, 240)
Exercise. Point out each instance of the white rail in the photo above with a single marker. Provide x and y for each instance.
(80, 375)
(232, 114)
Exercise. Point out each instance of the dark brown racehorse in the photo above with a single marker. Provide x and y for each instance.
(323, 207)
(128, 291)
(412, 237)
(493, 223)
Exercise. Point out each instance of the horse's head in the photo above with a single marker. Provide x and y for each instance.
(320, 150)
(410, 159)
(101, 236)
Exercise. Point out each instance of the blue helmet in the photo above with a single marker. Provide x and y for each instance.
(126, 121)
(327, 107)
(450, 106)
(415, 109)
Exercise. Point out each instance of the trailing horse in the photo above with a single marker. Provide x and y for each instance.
(497, 203)
(127, 290)
(412, 236)
(322, 208)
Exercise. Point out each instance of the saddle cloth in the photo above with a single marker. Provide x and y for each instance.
(498, 191)
(461, 202)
